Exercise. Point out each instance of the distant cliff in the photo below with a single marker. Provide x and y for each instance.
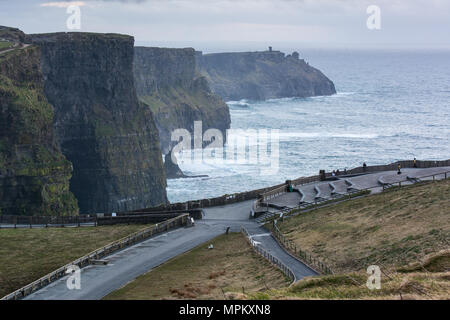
(109, 137)
(34, 175)
(262, 75)
(166, 80)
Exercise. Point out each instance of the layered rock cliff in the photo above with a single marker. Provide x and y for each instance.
(34, 175)
(102, 128)
(167, 81)
(262, 75)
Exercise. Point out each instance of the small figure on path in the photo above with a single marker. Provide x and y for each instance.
(364, 166)
(399, 171)
(415, 163)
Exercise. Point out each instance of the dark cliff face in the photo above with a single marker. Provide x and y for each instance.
(262, 75)
(34, 175)
(109, 137)
(166, 80)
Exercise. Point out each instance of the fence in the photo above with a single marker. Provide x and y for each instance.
(305, 257)
(308, 258)
(286, 270)
(277, 190)
(9, 221)
(258, 194)
(98, 254)
(47, 221)
(387, 185)
(393, 166)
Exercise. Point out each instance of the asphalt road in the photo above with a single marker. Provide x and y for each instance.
(97, 280)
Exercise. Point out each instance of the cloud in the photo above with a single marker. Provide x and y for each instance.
(63, 4)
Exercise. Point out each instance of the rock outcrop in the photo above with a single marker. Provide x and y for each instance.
(167, 81)
(34, 175)
(262, 75)
(102, 128)
(172, 169)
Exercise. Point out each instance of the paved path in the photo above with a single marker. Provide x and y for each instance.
(365, 181)
(266, 241)
(124, 266)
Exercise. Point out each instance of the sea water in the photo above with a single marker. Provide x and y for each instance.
(389, 106)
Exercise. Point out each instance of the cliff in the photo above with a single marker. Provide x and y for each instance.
(102, 128)
(262, 75)
(34, 175)
(166, 80)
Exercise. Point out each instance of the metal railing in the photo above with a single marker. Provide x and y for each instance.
(14, 221)
(272, 259)
(355, 192)
(98, 254)
(310, 260)
(358, 170)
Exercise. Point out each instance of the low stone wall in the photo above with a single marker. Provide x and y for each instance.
(394, 166)
(277, 190)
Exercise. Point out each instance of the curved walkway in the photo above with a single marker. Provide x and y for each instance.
(99, 280)
(124, 266)
(373, 181)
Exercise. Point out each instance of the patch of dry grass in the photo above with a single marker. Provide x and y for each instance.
(230, 269)
(28, 254)
(416, 285)
(389, 229)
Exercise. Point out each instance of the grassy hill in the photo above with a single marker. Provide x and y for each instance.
(390, 229)
(429, 279)
(229, 270)
(404, 231)
(28, 254)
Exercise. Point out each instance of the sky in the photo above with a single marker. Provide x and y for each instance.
(421, 24)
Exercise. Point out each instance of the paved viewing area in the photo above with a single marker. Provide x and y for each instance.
(99, 280)
(330, 189)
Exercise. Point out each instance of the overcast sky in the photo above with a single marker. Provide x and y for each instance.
(308, 23)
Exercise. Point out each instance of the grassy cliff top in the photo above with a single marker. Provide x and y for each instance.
(392, 229)
(78, 36)
(33, 253)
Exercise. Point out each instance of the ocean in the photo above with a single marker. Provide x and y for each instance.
(389, 106)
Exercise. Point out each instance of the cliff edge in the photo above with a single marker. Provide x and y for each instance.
(167, 81)
(109, 137)
(262, 75)
(34, 174)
